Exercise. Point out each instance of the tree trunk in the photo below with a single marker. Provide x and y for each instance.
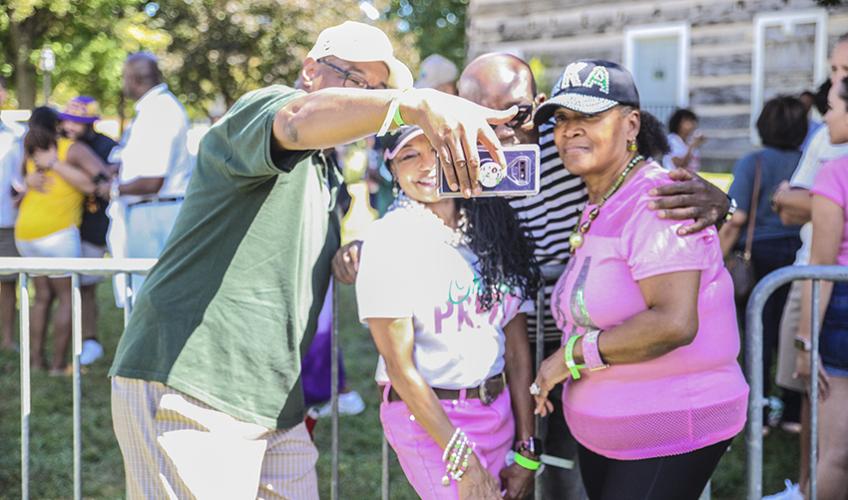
(21, 41)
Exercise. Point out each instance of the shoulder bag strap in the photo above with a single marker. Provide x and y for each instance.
(752, 216)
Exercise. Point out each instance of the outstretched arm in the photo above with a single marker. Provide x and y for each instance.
(334, 116)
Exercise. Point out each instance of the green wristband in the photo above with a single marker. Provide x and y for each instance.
(573, 367)
(398, 119)
(527, 463)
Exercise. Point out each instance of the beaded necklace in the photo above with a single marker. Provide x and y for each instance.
(578, 236)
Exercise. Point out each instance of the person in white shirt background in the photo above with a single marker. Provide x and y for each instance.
(684, 141)
(155, 166)
(11, 157)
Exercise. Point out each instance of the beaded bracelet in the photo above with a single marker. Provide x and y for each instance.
(451, 442)
(456, 456)
(457, 475)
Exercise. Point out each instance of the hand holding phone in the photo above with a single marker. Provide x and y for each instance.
(519, 178)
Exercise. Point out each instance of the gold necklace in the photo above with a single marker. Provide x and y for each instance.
(578, 237)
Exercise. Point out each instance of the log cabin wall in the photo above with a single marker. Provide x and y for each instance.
(721, 58)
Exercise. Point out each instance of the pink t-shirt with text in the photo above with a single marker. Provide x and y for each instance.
(832, 183)
(689, 398)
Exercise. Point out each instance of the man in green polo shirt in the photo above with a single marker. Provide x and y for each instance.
(206, 393)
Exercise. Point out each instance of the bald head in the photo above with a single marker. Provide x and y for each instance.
(500, 81)
(141, 73)
(496, 73)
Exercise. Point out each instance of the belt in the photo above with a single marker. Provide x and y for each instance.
(487, 392)
(157, 200)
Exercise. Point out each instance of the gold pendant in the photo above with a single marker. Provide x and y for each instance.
(575, 241)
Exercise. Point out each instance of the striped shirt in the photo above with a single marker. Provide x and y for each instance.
(549, 218)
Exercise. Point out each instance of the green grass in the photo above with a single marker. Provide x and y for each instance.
(51, 433)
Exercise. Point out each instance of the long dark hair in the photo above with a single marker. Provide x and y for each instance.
(503, 249)
(652, 140)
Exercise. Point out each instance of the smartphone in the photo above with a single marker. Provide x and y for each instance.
(519, 178)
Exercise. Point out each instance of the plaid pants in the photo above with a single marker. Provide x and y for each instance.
(176, 447)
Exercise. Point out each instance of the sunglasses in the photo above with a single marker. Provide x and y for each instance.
(525, 113)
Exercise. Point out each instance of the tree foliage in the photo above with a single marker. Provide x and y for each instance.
(438, 25)
(212, 51)
(90, 39)
(223, 48)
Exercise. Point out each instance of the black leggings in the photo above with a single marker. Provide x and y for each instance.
(678, 477)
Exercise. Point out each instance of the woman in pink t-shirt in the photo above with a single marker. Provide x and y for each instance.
(653, 392)
(830, 246)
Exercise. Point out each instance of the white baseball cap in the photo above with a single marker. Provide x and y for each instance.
(359, 42)
(436, 70)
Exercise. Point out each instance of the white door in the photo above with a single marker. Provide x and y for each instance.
(658, 60)
(790, 56)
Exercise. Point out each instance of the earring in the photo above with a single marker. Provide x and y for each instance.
(395, 188)
(632, 146)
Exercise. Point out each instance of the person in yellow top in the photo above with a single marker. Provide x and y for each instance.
(56, 209)
(59, 174)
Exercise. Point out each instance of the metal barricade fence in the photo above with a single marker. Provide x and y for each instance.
(754, 365)
(24, 267)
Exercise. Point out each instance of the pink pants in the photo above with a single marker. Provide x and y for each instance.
(491, 427)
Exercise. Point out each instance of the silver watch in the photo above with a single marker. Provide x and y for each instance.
(730, 210)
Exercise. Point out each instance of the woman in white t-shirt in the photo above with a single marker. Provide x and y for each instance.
(685, 141)
(443, 285)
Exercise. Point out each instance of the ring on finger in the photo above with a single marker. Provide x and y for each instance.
(535, 390)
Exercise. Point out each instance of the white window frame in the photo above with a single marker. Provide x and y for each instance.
(787, 20)
(660, 30)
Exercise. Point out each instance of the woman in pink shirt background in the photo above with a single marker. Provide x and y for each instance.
(830, 246)
(653, 392)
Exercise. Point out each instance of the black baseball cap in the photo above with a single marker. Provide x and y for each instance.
(590, 86)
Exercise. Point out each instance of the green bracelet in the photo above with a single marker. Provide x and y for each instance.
(573, 367)
(398, 119)
(527, 463)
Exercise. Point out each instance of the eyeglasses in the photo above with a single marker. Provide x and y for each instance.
(525, 113)
(350, 80)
